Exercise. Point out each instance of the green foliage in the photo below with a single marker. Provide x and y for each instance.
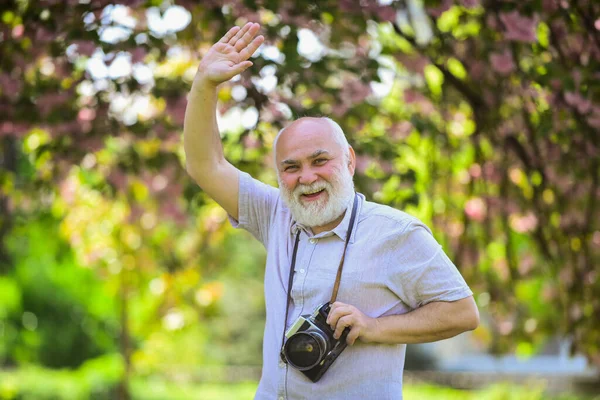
(486, 130)
(55, 306)
(97, 379)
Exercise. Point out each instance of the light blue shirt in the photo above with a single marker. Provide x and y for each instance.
(393, 265)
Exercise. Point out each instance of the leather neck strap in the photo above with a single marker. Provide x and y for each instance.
(338, 277)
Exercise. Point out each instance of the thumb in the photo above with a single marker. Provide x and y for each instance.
(241, 67)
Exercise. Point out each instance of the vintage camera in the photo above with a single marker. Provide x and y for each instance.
(310, 346)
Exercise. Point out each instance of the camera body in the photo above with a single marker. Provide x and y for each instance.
(310, 346)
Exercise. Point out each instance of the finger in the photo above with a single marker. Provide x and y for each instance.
(248, 51)
(239, 34)
(342, 323)
(241, 67)
(335, 314)
(352, 335)
(247, 38)
(230, 33)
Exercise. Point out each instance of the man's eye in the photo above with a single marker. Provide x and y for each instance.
(290, 168)
(320, 161)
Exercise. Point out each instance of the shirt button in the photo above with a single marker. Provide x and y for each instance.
(313, 241)
(302, 271)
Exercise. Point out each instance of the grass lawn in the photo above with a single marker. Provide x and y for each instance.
(34, 383)
(155, 390)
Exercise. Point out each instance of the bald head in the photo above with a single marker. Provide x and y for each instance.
(308, 126)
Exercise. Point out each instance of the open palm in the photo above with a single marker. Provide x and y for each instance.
(229, 56)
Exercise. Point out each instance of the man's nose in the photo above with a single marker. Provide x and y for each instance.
(307, 177)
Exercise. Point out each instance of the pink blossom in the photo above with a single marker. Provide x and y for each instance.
(470, 3)
(475, 170)
(476, 69)
(411, 96)
(118, 179)
(578, 101)
(138, 54)
(339, 109)
(86, 114)
(386, 13)
(523, 223)
(68, 189)
(17, 31)
(348, 5)
(16, 129)
(492, 22)
(401, 130)
(176, 109)
(43, 35)
(135, 213)
(475, 209)
(85, 47)
(594, 117)
(362, 163)
(576, 74)
(251, 142)
(549, 6)
(439, 10)
(597, 24)
(10, 87)
(412, 63)
(518, 27)
(174, 190)
(172, 211)
(596, 239)
(526, 265)
(502, 62)
(356, 91)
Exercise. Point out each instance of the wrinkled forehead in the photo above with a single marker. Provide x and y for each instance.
(304, 137)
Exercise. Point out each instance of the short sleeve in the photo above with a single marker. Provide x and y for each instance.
(424, 273)
(256, 204)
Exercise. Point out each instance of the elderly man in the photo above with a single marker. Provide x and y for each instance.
(396, 285)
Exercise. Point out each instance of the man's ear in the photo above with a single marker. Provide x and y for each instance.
(352, 160)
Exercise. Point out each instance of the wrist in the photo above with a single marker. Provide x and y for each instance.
(202, 83)
(372, 333)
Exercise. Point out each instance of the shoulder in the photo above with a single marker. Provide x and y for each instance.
(387, 219)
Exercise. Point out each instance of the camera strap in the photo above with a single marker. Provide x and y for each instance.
(338, 277)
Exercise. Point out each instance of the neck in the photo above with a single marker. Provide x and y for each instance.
(327, 227)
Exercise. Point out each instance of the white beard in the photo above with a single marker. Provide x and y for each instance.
(340, 192)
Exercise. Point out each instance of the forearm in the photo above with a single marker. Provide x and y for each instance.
(432, 322)
(201, 138)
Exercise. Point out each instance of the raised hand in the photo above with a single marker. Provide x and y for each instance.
(229, 56)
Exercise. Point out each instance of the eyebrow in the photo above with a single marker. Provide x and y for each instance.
(312, 156)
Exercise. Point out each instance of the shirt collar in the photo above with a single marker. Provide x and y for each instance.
(341, 229)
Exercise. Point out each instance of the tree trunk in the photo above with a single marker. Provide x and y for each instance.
(123, 392)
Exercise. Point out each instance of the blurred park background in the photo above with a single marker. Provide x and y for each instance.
(120, 279)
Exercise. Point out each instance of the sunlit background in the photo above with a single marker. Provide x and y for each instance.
(120, 278)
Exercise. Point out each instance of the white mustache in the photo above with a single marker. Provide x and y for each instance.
(313, 187)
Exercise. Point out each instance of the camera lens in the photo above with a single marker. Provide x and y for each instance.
(304, 350)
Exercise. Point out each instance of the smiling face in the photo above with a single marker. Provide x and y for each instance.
(315, 173)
